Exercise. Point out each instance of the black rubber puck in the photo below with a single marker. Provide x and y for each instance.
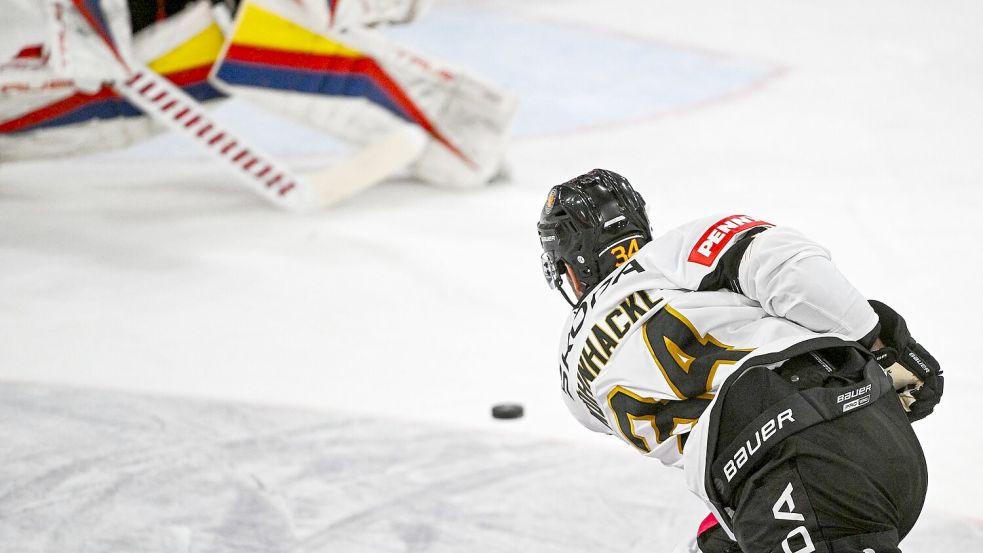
(507, 411)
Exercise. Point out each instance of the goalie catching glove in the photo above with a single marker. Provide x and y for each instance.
(916, 374)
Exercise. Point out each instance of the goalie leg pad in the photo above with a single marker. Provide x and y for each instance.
(69, 121)
(466, 119)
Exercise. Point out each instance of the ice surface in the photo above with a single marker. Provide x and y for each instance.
(94, 471)
(638, 77)
(413, 310)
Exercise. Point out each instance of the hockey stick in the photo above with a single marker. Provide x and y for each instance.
(368, 166)
(167, 103)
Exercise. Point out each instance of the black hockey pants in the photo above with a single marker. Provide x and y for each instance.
(854, 484)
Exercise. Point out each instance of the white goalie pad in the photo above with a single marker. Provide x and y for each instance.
(91, 136)
(476, 119)
(357, 84)
(54, 56)
(38, 122)
(48, 45)
(468, 119)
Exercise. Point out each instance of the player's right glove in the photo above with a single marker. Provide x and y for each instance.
(916, 374)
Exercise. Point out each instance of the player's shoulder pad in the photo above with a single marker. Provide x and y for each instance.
(710, 236)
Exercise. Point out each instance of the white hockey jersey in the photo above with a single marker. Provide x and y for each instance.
(644, 353)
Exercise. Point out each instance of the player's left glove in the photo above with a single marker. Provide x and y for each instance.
(917, 375)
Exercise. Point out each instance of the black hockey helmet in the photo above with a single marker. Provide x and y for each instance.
(592, 224)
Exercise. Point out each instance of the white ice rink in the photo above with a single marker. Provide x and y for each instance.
(186, 370)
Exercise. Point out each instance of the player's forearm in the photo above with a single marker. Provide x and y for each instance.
(793, 277)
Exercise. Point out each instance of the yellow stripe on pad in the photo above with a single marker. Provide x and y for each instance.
(201, 49)
(260, 28)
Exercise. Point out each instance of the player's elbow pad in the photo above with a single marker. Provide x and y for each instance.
(769, 269)
(785, 297)
(794, 278)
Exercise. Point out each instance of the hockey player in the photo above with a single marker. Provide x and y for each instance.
(734, 349)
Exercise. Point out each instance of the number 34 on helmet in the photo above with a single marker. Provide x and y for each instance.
(589, 226)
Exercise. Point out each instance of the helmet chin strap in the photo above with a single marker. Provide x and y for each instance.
(570, 278)
(559, 286)
(566, 297)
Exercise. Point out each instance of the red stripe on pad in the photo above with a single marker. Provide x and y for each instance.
(187, 77)
(33, 51)
(96, 25)
(56, 109)
(297, 60)
(332, 8)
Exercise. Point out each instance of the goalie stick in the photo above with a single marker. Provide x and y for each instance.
(165, 102)
(171, 106)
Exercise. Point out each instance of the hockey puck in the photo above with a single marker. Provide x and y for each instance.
(507, 411)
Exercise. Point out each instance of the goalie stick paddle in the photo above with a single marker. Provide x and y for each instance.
(368, 166)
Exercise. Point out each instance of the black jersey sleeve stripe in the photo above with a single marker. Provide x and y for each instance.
(724, 276)
(868, 340)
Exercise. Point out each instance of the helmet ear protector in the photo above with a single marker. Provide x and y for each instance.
(591, 224)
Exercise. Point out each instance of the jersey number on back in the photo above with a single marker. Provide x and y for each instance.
(688, 363)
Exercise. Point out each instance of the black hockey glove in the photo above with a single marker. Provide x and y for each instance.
(916, 374)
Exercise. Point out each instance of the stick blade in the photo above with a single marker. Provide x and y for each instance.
(369, 166)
